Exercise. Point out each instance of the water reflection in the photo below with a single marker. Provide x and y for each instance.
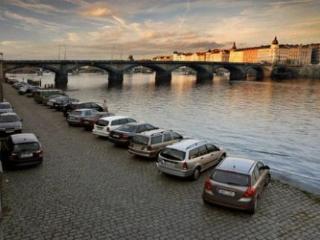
(276, 122)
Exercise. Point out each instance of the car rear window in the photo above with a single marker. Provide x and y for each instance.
(102, 122)
(33, 146)
(5, 106)
(140, 140)
(231, 178)
(77, 113)
(173, 154)
(9, 118)
(127, 128)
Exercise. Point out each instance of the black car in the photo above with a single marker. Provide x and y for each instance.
(21, 150)
(123, 135)
(88, 105)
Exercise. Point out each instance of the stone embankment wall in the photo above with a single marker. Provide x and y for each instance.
(312, 71)
(291, 72)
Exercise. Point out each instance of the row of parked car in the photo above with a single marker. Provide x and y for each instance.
(234, 182)
(17, 148)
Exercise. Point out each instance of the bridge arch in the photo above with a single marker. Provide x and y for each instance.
(236, 72)
(202, 73)
(161, 74)
(254, 71)
(48, 68)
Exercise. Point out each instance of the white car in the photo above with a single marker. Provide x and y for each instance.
(106, 124)
(189, 158)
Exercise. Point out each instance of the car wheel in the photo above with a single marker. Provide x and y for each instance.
(254, 206)
(196, 173)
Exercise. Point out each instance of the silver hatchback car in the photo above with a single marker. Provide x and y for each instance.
(237, 183)
(189, 158)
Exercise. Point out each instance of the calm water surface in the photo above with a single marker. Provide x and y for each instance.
(277, 122)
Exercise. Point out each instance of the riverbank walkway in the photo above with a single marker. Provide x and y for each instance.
(88, 189)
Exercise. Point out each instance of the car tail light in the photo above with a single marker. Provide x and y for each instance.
(185, 165)
(250, 192)
(39, 153)
(208, 185)
(13, 156)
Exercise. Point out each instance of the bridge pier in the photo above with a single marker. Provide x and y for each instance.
(115, 79)
(163, 77)
(61, 80)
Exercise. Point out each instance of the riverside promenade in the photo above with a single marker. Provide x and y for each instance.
(88, 189)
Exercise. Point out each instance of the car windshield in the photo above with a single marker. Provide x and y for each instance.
(32, 146)
(4, 106)
(140, 140)
(9, 118)
(127, 128)
(173, 154)
(231, 178)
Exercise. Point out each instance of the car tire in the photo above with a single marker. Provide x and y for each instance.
(196, 173)
(254, 206)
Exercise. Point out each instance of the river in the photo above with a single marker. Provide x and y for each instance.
(277, 122)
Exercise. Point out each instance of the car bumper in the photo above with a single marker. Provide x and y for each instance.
(236, 204)
(147, 154)
(8, 132)
(74, 122)
(119, 141)
(22, 163)
(174, 172)
(100, 133)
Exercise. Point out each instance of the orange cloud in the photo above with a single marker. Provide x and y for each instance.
(97, 11)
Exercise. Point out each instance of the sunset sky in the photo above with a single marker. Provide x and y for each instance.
(34, 29)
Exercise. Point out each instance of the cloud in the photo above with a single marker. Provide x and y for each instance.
(35, 6)
(96, 11)
(93, 29)
(28, 22)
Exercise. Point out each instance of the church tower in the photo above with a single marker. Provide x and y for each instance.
(275, 51)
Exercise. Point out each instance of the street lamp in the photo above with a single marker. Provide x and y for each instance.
(1, 76)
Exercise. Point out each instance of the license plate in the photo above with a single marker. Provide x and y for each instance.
(86, 122)
(226, 193)
(99, 127)
(115, 136)
(9, 131)
(26, 155)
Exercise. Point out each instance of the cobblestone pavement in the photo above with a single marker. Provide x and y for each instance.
(88, 189)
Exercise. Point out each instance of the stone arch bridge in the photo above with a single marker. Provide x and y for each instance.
(116, 68)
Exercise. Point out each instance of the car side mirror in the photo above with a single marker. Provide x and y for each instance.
(265, 167)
